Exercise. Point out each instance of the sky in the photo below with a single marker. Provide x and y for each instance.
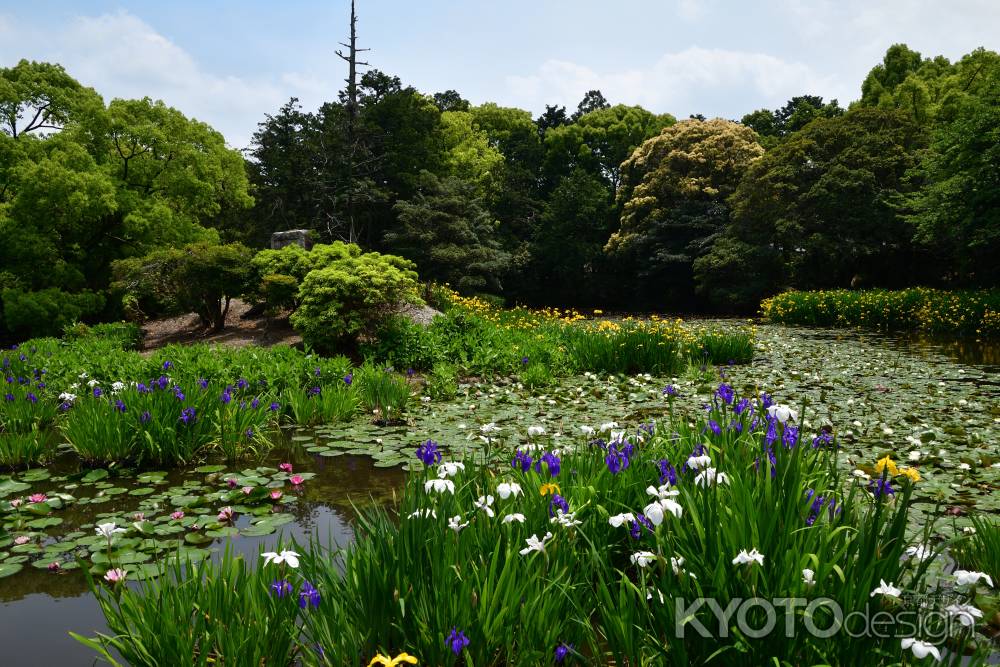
(230, 62)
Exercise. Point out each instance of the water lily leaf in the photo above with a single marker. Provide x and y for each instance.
(7, 569)
(142, 491)
(46, 522)
(95, 475)
(210, 468)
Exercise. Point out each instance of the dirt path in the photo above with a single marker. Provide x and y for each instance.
(238, 332)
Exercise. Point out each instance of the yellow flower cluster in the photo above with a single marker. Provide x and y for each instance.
(886, 463)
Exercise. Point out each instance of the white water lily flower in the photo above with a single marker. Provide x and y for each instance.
(915, 455)
(783, 413)
(423, 514)
(517, 516)
(618, 520)
(587, 430)
(746, 558)
(439, 486)
(709, 476)
(964, 466)
(920, 649)
(450, 468)
(607, 426)
(565, 519)
(507, 489)
(486, 429)
(887, 590)
(455, 523)
(484, 503)
(643, 558)
(535, 430)
(699, 462)
(535, 544)
(808, 577)
(967, 577)
(285, 556)
(108, 530)
(966, 614)
(861, 474)
(920, 551)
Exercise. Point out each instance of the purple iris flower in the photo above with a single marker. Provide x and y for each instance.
(741, 406)
(668, 475)
(274, 407)
(670, 390)
(226, 397)
(562, 651)
(558, 502)
(97, 392)
(203, 383)
(119, 405)
(167, 365)
(635, 527)
(428, 453)
(521, 460)
(281, 587)
(242, 384)
(145, 417)
(308, 596)
(457, 641)
(726, 393)
(881, 487)
(255, 403)
(188, 415)
(552, 461)
(31, 398)
(349, 378)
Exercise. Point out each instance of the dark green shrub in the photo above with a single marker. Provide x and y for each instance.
(47, 311)
(278, 292)
(404, 344)
(199, 277)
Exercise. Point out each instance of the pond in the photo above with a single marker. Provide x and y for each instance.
(935, 404)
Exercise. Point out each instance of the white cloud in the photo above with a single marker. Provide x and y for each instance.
(120, 55)
(715, 82)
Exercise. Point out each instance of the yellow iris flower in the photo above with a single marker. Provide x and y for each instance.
(884, 463)
(546, 489)
(912, 474)
(386, 661)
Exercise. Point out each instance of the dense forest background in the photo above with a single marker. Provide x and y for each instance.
(604, 205)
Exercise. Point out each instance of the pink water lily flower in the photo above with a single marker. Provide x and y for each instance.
(247, 490)
(17, 502)
(231, 482)
(54, 566)
(115, 575)
(276, 494)
(139, 516)
(226, 514)
(37, 498)
(285, 467)
(296, 480)
(177, 515)
(21, 539)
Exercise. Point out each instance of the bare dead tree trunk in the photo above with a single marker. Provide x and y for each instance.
(352, 115)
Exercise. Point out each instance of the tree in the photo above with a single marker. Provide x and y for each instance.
(35, 97)
(450, 100)
(592, 101)
(601, 140)
(554, 116)
(673, 199)
(468, 153)
(824, 202)
(450, 237)
(201, 277)
(957, 213)
(568, 262)
(798, 112)
(104, 183)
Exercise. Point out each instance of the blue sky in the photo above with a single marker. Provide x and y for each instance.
(228, 63)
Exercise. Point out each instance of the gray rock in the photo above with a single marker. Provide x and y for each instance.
(292, 236)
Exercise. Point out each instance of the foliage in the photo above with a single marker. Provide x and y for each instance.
(916, 309)
(821, 209)
(673, 199)
(46, 311)
(122, 335)
(84, 184)
(447, 233)
(771, 126)
(352, 296)
(734, 505)
(200, 277)
(321, 405)
(238, 619)
(381, 392)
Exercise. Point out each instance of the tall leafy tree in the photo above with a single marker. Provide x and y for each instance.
(823, 204)
(673, 198)
(798, 112)
(957, 213)
(445, 230)
(593, 100)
